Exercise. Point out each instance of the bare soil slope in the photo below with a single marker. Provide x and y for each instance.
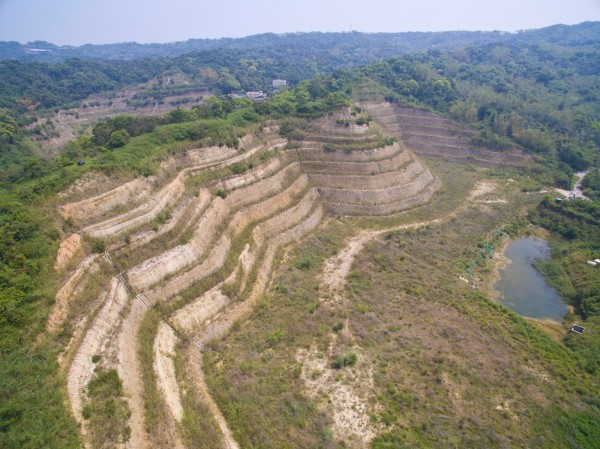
(428, 134)
(203, 270)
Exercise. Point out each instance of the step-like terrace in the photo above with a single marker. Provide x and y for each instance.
(428, 134)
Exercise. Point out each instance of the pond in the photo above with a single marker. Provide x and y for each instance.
(522, 288)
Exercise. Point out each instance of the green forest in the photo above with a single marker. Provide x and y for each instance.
(537, 91)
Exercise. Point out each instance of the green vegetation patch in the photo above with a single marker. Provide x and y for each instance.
(452, 366)
(348, 359)
(575, 225)
(106, 412)
(32, 408)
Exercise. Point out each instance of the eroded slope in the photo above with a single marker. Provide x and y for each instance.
(203, 268)
(428, 134)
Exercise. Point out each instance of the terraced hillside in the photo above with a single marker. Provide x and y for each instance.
(428, 134)
(382, 178)
(180, 259)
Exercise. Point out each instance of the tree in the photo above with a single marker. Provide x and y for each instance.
(8, 130)
(464, 110)
(118, 138)
(228, 83)
(408, 87)
(177, 116)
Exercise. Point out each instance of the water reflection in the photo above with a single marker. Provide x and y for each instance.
(522, 288)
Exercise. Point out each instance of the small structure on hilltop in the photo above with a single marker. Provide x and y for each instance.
(256, 96)
(279, 84)
(577, 329)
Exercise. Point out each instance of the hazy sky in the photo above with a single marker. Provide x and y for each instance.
(78, 22)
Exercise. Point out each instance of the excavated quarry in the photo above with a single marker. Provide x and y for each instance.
(214, 255)
(428, 134)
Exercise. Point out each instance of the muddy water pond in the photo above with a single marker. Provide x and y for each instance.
(522, 288)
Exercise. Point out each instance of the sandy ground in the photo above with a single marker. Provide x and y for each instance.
(88, 209)
(82, 368)
(75, 283)
(346, 393)
(164, 368)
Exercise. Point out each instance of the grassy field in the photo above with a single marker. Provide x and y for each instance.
(432, 362)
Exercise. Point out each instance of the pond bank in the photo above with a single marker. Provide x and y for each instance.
(515, 283)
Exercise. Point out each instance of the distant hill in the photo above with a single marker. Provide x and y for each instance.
(233, 65)
(369, 46)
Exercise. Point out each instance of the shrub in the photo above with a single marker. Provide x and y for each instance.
(163, 217)
(238, 168)
(348, 359)
(107, 410)
(98, 246)
(364, 120)
(304, 264)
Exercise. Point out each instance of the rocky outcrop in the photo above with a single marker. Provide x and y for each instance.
(67, 250)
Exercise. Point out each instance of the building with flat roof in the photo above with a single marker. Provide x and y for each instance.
(256, 96)
(279, 84)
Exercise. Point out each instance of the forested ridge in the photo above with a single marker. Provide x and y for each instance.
(354, 46)
(538, 90)
(543, 98)
(251, 63)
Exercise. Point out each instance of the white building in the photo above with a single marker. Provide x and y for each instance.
(256, 96)
(278, 84)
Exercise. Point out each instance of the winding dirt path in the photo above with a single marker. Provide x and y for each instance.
(349, 413)
(336, 268)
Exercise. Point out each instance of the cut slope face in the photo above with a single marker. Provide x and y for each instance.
(358, 171)
(429, 134)
(213, 258)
